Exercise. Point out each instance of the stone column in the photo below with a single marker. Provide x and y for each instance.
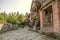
(56, 18)
(42, 20)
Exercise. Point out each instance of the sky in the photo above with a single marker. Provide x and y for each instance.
(22, 6)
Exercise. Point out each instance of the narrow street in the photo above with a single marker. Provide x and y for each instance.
(23, 34)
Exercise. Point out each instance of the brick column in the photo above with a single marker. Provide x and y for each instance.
(42, 20)
(56, 18)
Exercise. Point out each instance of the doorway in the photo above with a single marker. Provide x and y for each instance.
(48, 20)
(49, 17)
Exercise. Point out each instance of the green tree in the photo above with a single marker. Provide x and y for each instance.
(3, 17)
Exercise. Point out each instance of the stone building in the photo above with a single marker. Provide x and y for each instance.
(34, 16)
(46, 14)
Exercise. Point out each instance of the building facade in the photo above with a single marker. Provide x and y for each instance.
(46, 14)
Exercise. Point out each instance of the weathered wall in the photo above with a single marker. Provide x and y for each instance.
(42, 19)
(56, 15)
(7, 27)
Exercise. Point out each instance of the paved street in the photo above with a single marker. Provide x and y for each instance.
(23, 34)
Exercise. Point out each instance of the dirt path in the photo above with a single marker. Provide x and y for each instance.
(23, 34)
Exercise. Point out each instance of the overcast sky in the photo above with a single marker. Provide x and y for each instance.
(22, 6)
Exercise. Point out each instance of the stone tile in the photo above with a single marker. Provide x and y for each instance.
(23, 34)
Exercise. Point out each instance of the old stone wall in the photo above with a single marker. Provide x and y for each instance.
(56, 14)
(7, 27)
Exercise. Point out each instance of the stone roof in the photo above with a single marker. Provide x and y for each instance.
(35, 3)
(39, 1)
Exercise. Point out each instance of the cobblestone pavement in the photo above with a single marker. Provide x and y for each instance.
(23, 34)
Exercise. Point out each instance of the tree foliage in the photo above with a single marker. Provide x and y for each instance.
(13, 18)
